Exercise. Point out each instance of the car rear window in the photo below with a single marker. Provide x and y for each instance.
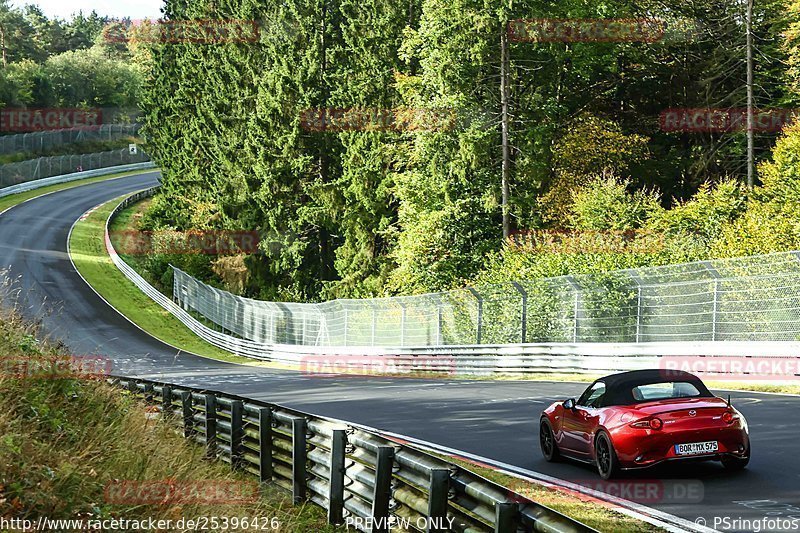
(664, 391)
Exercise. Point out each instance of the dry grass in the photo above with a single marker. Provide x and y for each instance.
(63, 440)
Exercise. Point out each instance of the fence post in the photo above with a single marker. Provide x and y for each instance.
(638, 314)
(345, 327)
(437, 500)
(383, 489)
(237, 434)
(188, 414)
(714, 311)
(374, 323)
(298, 459)
(479, 324)
(635, 278)
(402, 324)
(715, 304)
(211, 425)
(524, 294)
(576, 307)
(439, 323)
(265, 445)
(336, 482)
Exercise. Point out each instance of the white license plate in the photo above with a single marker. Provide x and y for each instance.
(696, 448)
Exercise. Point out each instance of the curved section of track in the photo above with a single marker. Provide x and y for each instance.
(497, 420)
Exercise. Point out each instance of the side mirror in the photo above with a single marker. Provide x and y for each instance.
(569, 404)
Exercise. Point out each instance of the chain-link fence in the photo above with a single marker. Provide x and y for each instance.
(744, 299)
(41, 141)
(44, 167)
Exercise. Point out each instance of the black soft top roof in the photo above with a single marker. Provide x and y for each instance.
(619, 387)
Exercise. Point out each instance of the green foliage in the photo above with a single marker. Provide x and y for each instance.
(607, 205)
(591, 148)
(363, 213)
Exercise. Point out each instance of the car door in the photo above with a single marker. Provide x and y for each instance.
(579, 424)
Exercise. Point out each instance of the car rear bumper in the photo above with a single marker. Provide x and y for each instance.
(650, 450)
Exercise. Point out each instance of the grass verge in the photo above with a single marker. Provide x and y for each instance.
(66, 440)
(581, 508)
(87, 249)
(14, 199)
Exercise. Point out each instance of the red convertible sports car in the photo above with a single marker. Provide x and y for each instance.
(641, 418)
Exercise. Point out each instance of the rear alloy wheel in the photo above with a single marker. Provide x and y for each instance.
(736, 463)
(605, 457)
(547, 441)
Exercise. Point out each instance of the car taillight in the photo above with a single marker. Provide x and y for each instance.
(728, 417)
(653, 423)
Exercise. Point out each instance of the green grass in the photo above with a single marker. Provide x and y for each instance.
(64, 439)
(14, 199)
(569, 504)
(87, 249)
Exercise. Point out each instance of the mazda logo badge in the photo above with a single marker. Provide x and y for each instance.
(692, 413)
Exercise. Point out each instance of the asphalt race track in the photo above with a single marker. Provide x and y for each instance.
(497, 420)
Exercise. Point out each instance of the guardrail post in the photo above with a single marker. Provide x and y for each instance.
(299, 459)
(265, 444)
(211, 425)
(188, 414)
(166, 400)
(479, 320)
(505, 515)
(437, 500)
(237, 434)
(336, 482)
(148, 393)
(524, 294)
(383, 489)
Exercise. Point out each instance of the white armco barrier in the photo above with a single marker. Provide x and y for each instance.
(64, 178)
(774, 361)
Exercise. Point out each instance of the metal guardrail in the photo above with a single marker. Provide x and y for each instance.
(468, 359)
(64, 178)
(347, 469)
(12, 174)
